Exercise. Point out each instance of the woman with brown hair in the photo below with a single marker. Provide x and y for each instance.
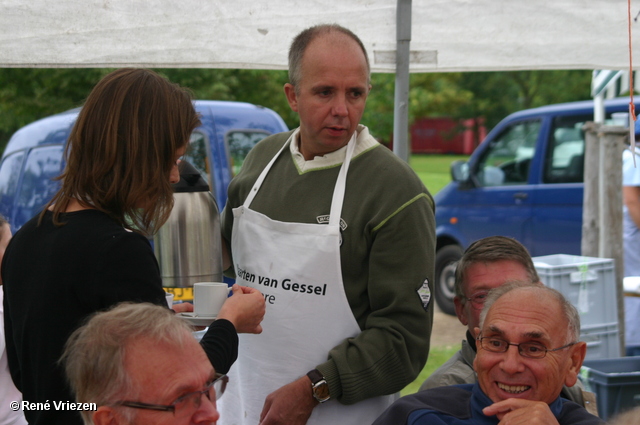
(123, 150)
(88, 249)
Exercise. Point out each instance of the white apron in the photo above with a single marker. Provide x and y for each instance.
(297, 267)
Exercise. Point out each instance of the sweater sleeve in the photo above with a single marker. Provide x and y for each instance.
(128, 271)
(220, 342)
(435, 406)
(393, 346)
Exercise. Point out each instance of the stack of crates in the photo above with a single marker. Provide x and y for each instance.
(589, 284)
(616, 383)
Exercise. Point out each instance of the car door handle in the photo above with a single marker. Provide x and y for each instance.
(520, 196)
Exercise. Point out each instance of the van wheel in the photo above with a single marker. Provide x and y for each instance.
(446, 260)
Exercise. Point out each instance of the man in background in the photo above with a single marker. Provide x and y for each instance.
(631, 241)
(486, 264)
(528, 349)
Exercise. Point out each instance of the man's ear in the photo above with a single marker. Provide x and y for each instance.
(459, 306)
(292, 98)
(105, 415)
(475, 332)
(576, 357)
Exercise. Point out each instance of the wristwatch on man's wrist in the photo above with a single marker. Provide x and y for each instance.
(319, 386)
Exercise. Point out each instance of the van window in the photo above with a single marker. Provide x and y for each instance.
(564, 161)
(38, 185)
(9, 175)
(197, 156)
(240, 142)
(507, 160)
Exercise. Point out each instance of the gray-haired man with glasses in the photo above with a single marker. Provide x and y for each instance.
(486, 264)
(528, 349)
(140, 364)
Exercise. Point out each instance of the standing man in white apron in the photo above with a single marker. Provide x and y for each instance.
(339, 236)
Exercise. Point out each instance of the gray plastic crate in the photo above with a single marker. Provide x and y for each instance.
(603, 341)
(589, 284)
(616, 383)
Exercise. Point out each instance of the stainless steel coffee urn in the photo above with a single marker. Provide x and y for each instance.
(188, 246)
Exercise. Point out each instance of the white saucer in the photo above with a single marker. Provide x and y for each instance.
(196, 320)
(199, 334)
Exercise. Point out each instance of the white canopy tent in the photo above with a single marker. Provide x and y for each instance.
(424, 35)
(446, 35)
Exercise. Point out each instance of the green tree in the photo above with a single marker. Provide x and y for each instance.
(430, 95)
(27, 94)
(264, 88)
(497, 94)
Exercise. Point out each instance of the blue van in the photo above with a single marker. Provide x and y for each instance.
(525, 180)
(34, 155)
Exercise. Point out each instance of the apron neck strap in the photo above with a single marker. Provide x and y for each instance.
(263, 175)
(338, 191)
(341, 184)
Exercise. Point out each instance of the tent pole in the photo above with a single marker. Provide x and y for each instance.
(401, 100)
(598, 108)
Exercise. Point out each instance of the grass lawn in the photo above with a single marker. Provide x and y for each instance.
(434, 170)
(437, 356)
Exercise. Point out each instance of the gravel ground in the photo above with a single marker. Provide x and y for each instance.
(447, 330)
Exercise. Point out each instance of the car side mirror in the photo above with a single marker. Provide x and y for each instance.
(460, 171)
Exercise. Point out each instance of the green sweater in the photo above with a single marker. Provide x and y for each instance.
(387, 254)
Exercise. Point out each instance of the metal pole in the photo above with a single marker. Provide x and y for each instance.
(598, 108)
(401, 100)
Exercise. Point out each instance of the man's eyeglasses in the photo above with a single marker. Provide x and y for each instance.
(188, 402)
(532, 350)
(478, 299)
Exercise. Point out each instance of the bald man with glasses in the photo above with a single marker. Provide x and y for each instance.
(486, 264)
(528, 349)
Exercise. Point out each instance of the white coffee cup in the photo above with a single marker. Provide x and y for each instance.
(208, 298)
(169, 298)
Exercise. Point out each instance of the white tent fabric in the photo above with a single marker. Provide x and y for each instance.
(447, 35)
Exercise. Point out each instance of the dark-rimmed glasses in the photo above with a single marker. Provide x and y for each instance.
(478, 299)
(532, 350)
(188, 402)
